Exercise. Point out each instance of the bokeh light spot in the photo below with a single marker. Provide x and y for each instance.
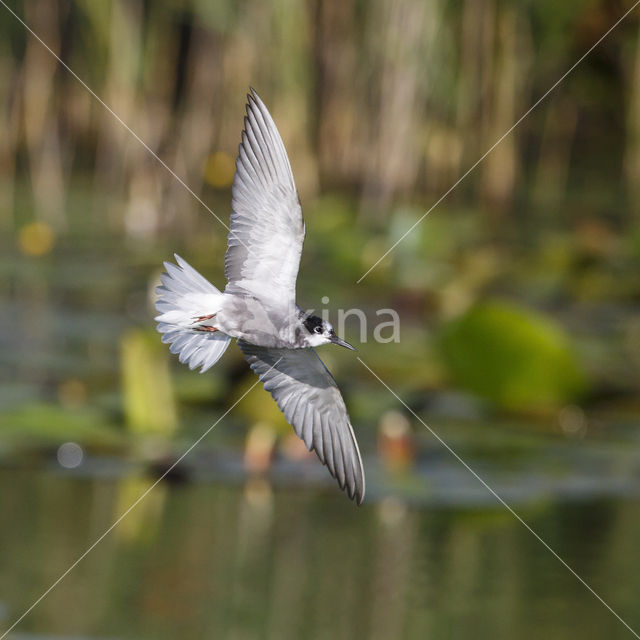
(219, 170)
(70, 455)
(35, 238)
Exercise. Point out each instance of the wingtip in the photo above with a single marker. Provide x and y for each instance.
(353, 491)
(247, 109)
(179, 261)
(253, 98)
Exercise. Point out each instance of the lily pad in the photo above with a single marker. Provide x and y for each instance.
(514, 357)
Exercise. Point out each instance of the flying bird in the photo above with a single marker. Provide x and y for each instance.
(258, 306)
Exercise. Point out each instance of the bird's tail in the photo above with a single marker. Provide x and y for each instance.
(187, 305)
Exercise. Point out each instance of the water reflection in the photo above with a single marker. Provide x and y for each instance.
(207, 560)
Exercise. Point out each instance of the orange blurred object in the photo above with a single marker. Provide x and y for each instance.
(395, 441)
(259, 447)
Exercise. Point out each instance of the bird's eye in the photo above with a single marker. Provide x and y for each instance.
(318, 330)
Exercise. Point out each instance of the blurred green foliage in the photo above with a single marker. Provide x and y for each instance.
(514, 357)
(382, 106)
(50, 424)
(148, 393)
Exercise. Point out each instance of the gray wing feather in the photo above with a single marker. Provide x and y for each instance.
(311, 402)
(267, 229)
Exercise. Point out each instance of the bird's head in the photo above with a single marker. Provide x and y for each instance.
(321, 332)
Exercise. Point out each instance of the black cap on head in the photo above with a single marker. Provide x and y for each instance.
(311, 322)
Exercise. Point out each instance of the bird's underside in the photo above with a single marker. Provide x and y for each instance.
(259, 322)
(258, 305)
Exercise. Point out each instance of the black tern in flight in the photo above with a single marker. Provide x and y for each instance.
(258, 305)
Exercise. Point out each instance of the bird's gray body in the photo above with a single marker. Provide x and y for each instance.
(258, 322)
(258, 306)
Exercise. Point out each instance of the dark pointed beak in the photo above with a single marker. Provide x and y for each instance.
(341, 342)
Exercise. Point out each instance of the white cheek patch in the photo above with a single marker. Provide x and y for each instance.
(315, 340)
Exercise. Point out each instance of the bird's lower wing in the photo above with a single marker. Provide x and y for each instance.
(308, 396)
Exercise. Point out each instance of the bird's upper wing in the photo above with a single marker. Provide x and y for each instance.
(308, 396)
(267, 229)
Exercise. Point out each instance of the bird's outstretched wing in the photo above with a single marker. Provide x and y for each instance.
(267, 229)
(308, 396)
